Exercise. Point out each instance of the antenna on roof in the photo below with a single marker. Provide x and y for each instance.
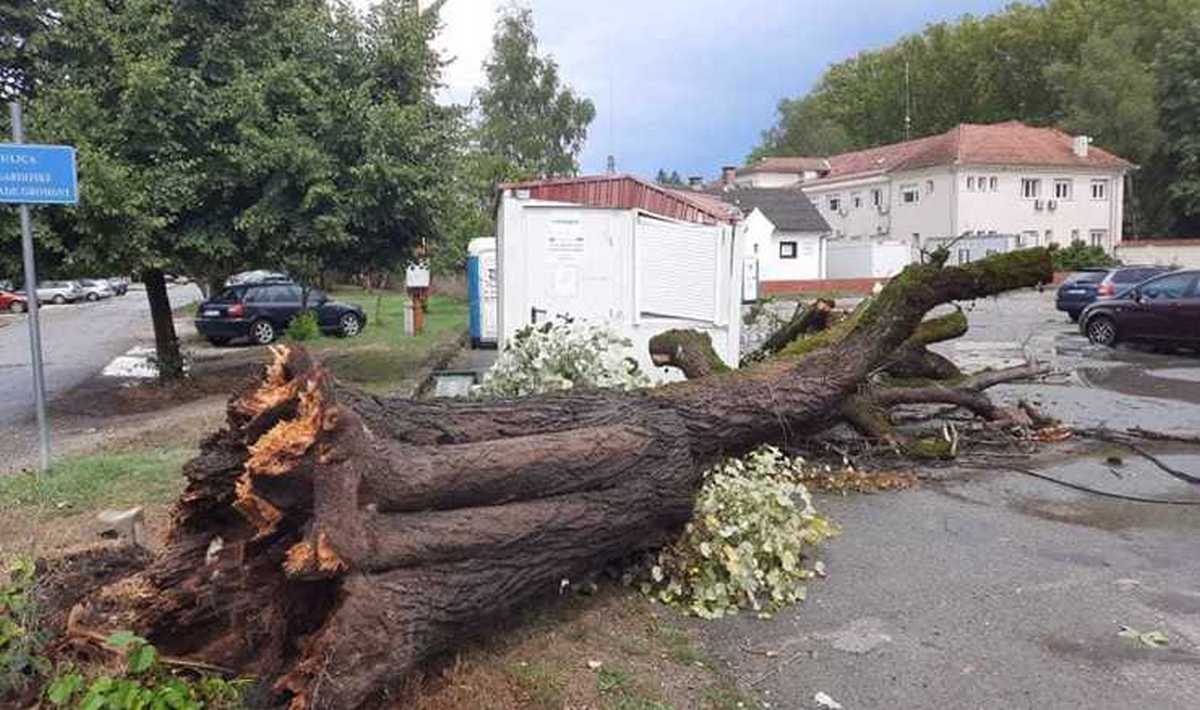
(907, 103)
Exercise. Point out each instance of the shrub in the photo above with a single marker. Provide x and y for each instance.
(21, 641)
(304, 327)
(561, 354)
(1080, 256)
(753, 527)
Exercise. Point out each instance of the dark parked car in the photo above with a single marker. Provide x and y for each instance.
(1087, 285)
(1164, 310)
(262, 311)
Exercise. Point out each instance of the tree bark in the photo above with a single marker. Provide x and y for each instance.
(806, 319)
(332, 540)
(168, 357)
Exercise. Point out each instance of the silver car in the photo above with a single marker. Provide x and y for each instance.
(95, 289)
(58, 292)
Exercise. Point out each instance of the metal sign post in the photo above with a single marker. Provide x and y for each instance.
(38, 175)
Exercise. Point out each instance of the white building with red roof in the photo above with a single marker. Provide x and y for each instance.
(1040, 184)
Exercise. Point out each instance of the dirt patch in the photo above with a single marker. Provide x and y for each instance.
(613, 650)
(115, 396)
(63, 580)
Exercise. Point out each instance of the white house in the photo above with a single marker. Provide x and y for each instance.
(618, 250)
(1007, 178)
(785, 234)
(777, 172)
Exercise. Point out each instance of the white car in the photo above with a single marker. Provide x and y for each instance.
(95, 289)
(59, 292)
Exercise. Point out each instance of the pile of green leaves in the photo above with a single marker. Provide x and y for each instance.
(754, 527)
(561, 354)
(144, 683)
(1081, 256)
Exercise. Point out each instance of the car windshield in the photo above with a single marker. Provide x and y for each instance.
(230, 295)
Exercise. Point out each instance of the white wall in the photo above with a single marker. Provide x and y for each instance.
(950, 208)
(1185, 254)
(597, 280)
(763, 244)
(773, 180)
(1006, 210)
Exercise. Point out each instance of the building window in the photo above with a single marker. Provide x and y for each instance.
(1063, 189)
(1031, 188)
(1074, 235)
(910, 194)
(1099, 237)
(995, 183)
(964, 256)
(1049, 238)
(835, 203)
(856, 200)
(1099, 189)
(1028, 238)
(877, 197)
(787, 250)
(929, 187)
(970, 183)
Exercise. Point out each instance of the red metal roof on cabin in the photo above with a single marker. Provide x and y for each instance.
(1009, 143)
(628, 192)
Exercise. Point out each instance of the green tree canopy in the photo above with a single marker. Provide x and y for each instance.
(218, 136)
(529, 123)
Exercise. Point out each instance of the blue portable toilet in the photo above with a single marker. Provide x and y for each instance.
(482, 287)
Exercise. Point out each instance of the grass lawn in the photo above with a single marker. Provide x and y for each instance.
(89, 482)
(382, 358)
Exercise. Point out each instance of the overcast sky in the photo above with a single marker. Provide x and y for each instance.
(688, 85)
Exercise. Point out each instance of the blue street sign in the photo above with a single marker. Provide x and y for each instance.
(38, 174)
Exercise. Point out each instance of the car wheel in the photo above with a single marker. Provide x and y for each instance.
(262, 332)
(219, 341)
(1102, 330)
(93, 297)
(1073, 315)
(59, 299)
(349, 325)
(17, 307)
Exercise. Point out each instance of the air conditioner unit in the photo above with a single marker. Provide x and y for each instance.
(1037, 204)
(1052, 204)
(882, 209)
(843, 212)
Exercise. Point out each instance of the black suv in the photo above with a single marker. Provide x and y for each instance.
(261, 311)
(1087, 285)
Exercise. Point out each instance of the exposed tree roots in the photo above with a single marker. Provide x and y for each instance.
(330, 541)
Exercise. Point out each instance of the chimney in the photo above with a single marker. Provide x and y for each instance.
(728, 174)
(696, 182)
(1080, 145)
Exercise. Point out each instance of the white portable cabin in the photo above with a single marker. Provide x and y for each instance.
(619, 251)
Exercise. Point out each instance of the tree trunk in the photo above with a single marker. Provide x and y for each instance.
(332, 540)
(166, 344)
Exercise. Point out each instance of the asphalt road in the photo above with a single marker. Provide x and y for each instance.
(991, 589)
(77, 342)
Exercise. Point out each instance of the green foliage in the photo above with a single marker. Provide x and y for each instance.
(1178, 68)
(21, 640)
(754, 525)
(803, 128)
(145, 683)
(304, 327)
(1080, 256)
(529, 123)
(560, 354)
(1109, 95)
(671, 179)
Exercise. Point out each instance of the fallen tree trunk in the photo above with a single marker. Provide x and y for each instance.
(331, 541)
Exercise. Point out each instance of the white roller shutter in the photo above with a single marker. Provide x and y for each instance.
(678, 269)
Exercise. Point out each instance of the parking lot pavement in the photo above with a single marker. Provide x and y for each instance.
(990, 589)
(77, 342)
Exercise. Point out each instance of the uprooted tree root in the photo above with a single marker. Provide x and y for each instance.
(330, 541)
